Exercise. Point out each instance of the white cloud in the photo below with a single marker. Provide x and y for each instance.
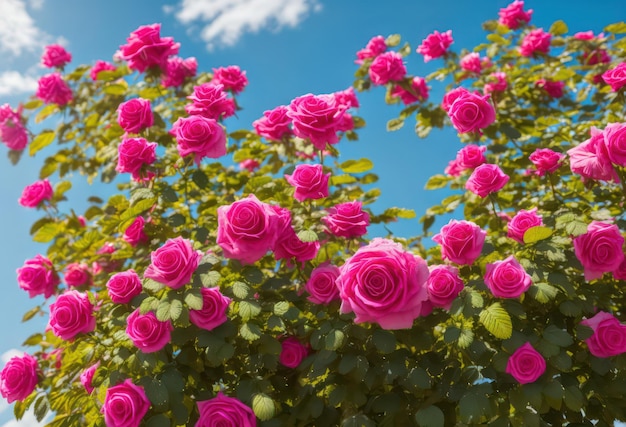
(9, 354)
(36, 4)
(13, 82)
(18, 32)
(225, 21)
(28, 420)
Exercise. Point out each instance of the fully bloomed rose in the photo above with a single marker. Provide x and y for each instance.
(292, 352)
(514, 16)
(471, 156)
(546, 160)
(321, 285)
(133, 154)
(147, 332)
(615, 141)
(486, 179)
(77, 274)
(71, 314)
(135, 234)
(309, 181)
(178, 69)
(135, 115)
(507, 278)
(536, 41)
(609, 335)
(347, 220)
(211, 101)
(174, 263)
(461, 241)
(615, 77)
(35, 193)
(317, 118)
(125, 405)
(435, 45)
(387, 67)
(86, 377)
(231, 77)
(418, 92)
(590, 159)
(600, 249)
(554, 89)
(214, 309)
(38, 277)
(374, 47)
(19, 378)
(100, 66)
(522, 221)
(55, 55)
(473, 63)
(526, 364)
(471, 112)
(454, 168)
(224, 411)
(346, 98)
(52, 89)
(200, 136)
(275, 124)
(146, 48)
(124, 286)
(288, 246)
(497, 83)
(444, 285)
(382, 283)
(12, 131)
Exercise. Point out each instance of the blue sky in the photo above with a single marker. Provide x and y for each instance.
(287, 47)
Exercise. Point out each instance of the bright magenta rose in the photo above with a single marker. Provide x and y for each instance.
(86, 377)
(309, 182)
(133, 154)
(471, 156)
(321, 285)
(514, 16)
(600, 249)
(471, 112)
(71, 314)
(13, 133)
(615, 140)
(222, 411)
(473, 63)
(522, 221)
(443, 285)
(374, 47)
(609, 335)
(292, 352)
(288, 246)
(435, 45)
(231, 77)
(275, 124)
(486, 179)
(526, 364)
(461, 241)
(178, 69)
(536, 41)
(590, 159)
(249, 164)
(419, 91)
(316, 117)
(382, 283)
(554, 89)
(135, 115)
(124, 286)
(507, 278)
(347, 220)
(55, 55)
(199, 136)
(134, 234)
(211, 101)
(146, 48)
(125, 405)
(346, 98)
(77, 274)
(497, 83)
(615, 77)
(52, 89)
(546, 160)
(34, 194)
(100, 66)
(213, 312)
(174, 263)
(387, 67)
(247, 229)
(38, 277)
(147, 332)
(19, 378)
(451, 96)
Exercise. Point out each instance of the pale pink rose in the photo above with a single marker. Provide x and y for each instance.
(585, 35)
(100, 66)
(346, 98)
(231, 77)
(454, 168)
(246, 229)
(387, 67)
(55, 55)
(52, 89)
(288, 246)
(507, 278)
(309, 181)
(249, 164)
(473, 63)
(471, 112)
(135, 115)
(615, 141)
(211, 101)
(600, 249)
(317, 118)
(347, 220)
(486, 179)
(374, 47)
(200, 136)
(77, 274)
(145, 48)
(546, 160)
(174, 263)
(616, 76)
(71, 314)
(224, 411)
(179, 69)
(590, 159)
(35, 193)
(418, 92)
(384, 284)
(554, 89)
(499, 83)
(526, 364)
(536, 41)
(461, 241)
(435, 45)
(86, 377)
(125, 405)
(133, 155)
(292, 352)
(514, 16)
(522, 221)
(19, 378)
(38, 277)
(444, 285)
(214, 309)
(321, 286)
(596, 56)
(124, 286)
(147, 332)
(471, 156)
(609, 335)
(134, 234)
(275, 124)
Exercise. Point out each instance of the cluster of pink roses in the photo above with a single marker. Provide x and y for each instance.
(13, 133)
(594, 158)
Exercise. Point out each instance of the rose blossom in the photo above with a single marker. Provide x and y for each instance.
(38, 277)
(435, 45)
(461, 241)
(309, 182)
(609, 335)
(224, 411)
(178, 69)
(443, 285)
(214, 309)
(554, 89)
(147, 332)
(507, 278)
(453, 95)
(274, 125)
(522, 221)
(134, 234)
(347, 220)
(12, 131)
(86, 377)
(55, 55)
(536, 41)
(231, 77)
(249, 164)
(615, 141)
(526, 364)
(288, 246)
(382, 283)
(77, 274)
(19, 378)
(125, 405)
(471, 156)
(316, 117)
(124, 286)
(174, 263)
(590, 159)
(292, 352)
(419, 91)
(596, 56)
(100, 66)
(346, 98)
(52, 89)
(200, 136)
(546, 160)
(620, 272)
(615, 77)
(211, 101)
(471, 112)
(473, 63)
(587, 35)
(387, 67)
(374, 47)
(35, 193)
(599, 250)
(146, 48)
(486, 179)
(321, 285)
(514, 16)
(135, 115)
(499, 83)
(454, 168)
(71, 314)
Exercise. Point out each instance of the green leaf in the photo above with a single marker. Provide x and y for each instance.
(395, 124)
(200, 178)
(47, 232)
(210, 279)
(249, 309)
(158, 420)
(250, 332)
(42, 406)
(334, 340)
(543, 292)
(62, 187)
(115, 88)
(437, 181)
(535, 234)
(176, 309)
(42, 140)
(356, 166)
(393, 40)
(240, 290)
(557, 336)
(466, 338)
(576, 228)
(263, 406)
(384, 341)
(573, 398)
(194, 301)
(308, 236)
(163, 311)
(31, 313)
(431, 416)
(616, 28)
(497, 321)
(510, 131)
(558, 28)
(152, 285)
(281, 307)
(342, 179)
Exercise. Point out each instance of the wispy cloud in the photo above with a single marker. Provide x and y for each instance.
(14, 82)
(225, 21)
(28, 420)
(18, 32)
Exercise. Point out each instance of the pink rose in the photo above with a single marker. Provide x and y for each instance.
(454, 168)
(486, 179)
(211, 101)
(34, 194)
(526, 364)
(443, 285)
(100, 66)
(174, 263)
(346, 98)
(147, 332)
(435, 45)
(316, 117)
(599, 250)
(274, 125)
(536, 41)
(125, 405)
(450, 97)
(546, 160)
(77, 274)
(146, 48)
(38, 277)
(133, 155)
(596, 56)
(473, 63)
(522, 221)
(123, 287)
(52, 89)
(382, 283)
(213, 312)
(609, 335)
(387, 67)
(374, 47)
(620, 272)
(419, 91)
(497, 83)
(585, 35)
(200, 136)
(292, 352)
(249, 164)
(471, 112)
(18, 378)
(461, 241)
(134, 234)
(12, 131)
(321, 285)
(347, 220)
(55, 55)
(615, 141)
(590, 159)
(224, 411)
(231, 77)
(507, 278)
(178, 69)
(135, 115)
(615, 77)
(289, 246)
(309, 181)
(71, 314)
(471, 156)
(246, 230)
(514, 16)
(86, 377)
(554, 89)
